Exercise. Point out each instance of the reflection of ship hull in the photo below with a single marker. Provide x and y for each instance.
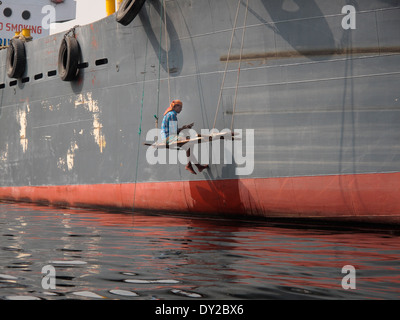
(323, 103)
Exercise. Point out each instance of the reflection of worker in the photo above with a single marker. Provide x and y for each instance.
(170, 131)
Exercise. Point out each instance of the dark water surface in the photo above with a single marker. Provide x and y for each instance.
(143, 256)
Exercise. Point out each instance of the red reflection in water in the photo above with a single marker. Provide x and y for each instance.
(252, 254)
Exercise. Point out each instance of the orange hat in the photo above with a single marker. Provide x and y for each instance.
(172, 105)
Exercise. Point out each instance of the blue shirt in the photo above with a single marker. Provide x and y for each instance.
(169, 125)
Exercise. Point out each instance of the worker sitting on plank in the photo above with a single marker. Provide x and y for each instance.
(170, 131)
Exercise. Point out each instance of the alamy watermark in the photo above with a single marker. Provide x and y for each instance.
(49, 280)
(349, 280)
(49, 18)
(237, 148)
(349, 21)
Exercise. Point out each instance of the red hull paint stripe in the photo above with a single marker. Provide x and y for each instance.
(362, 195)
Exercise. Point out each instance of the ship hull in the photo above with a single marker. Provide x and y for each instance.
(317, 105)
(362, 198)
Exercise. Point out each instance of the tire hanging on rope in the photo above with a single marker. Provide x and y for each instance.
(128, 11)
(68, 59)
(16, 59)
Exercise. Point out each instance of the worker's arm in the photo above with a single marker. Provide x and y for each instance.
(187, 126)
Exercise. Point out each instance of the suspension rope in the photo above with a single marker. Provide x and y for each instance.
(140, 127)
(166, 50)
(240, 63)
(159, 67)
(163, 16)
(226, 64)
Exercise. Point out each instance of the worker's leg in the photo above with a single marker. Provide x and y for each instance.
(189, 165)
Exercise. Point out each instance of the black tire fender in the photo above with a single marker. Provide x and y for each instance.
(16, 59)
(128, 10)
(68, 59)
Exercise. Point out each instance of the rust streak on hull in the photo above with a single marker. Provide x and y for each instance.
(310, 53)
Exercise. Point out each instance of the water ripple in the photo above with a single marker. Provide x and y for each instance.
(102, 255)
